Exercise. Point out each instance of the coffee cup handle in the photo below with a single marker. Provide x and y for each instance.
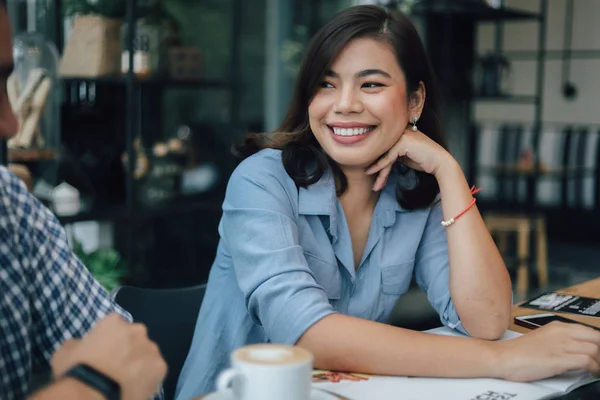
(225, 378)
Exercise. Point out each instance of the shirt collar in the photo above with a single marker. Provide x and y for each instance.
(320, 199)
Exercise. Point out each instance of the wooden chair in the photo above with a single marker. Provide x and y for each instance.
(500, 225)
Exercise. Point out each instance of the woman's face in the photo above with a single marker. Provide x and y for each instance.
(360, 110)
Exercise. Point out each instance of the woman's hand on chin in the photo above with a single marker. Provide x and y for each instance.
(415, 150)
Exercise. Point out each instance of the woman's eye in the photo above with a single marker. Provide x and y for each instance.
(371, 85)
(326, 85)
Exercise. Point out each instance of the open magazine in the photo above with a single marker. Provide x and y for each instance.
(367, 387)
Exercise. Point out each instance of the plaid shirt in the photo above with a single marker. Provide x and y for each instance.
(46, 294)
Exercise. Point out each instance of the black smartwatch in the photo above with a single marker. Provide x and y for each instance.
(96, 380)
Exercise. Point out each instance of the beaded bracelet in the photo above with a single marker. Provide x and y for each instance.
(452, 220)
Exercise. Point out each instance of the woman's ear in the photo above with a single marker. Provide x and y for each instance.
(417, 100)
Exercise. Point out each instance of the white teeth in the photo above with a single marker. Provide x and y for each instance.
(350, 131)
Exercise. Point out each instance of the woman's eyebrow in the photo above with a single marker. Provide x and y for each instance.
(374, 71)
(361, 74)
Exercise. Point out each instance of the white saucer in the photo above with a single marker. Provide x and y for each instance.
(315, 394)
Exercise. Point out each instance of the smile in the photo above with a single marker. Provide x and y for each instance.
(350, 131)
(350, 134)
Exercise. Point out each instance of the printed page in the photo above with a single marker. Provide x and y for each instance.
(567, 382)
(393, 388)
(451, 332)
(365, 387)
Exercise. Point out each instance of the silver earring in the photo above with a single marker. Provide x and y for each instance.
(414, 123)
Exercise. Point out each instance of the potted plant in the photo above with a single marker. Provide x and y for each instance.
(105, 265)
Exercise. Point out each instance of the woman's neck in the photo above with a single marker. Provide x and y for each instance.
(359, 196)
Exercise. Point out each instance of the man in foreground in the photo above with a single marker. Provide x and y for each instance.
(47, 296)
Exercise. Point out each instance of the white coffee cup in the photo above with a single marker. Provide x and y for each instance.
(268, 372)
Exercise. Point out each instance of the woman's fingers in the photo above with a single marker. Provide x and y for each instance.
(383, 162)
(382, 177)
(578, 362)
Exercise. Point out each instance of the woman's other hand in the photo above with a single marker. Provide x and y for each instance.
(549, 351)
(415, 150)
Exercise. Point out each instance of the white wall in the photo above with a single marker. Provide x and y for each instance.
(585, 73)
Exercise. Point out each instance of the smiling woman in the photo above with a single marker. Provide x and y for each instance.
(327, 220)
(365, 53)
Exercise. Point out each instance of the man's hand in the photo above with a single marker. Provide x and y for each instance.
(119, 350)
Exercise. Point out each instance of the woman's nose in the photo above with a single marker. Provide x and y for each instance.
(348, 101)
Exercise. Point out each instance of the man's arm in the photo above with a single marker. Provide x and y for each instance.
(66, 299)
(67, 389)
(115, 349)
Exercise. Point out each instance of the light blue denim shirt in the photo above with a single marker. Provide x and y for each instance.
(285, 261)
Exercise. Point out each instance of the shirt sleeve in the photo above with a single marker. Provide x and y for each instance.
(432, 269)
(260, 231)
(65, 299)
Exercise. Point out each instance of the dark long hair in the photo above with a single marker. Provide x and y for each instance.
(303, 158)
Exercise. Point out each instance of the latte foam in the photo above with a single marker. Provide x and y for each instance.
(272, 354)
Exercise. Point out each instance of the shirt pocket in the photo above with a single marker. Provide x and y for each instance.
(396, 278)
(327, 275)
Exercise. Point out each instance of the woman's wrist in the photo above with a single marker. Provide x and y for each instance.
(450, 173)
(497, 360)
(448, 166)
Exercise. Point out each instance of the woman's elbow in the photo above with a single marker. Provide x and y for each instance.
(491, 328)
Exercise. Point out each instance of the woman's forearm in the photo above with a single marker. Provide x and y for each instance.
(479, 282)
(343, 343)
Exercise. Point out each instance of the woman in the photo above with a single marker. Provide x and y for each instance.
(325, 223)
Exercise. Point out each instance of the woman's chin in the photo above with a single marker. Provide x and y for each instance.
(352, 162)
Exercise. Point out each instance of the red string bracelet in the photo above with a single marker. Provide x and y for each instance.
(452, 220)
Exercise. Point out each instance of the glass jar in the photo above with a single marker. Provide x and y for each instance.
(35, 79)
(34, 85)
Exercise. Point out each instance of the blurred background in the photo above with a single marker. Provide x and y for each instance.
(128, 109)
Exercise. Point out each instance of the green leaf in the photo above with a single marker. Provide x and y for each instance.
(105, 265)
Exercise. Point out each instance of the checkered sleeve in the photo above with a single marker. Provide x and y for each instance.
(66, 299)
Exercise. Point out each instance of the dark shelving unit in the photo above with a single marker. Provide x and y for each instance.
(102, 213)
(553, 54)
(152, 82)
(475, 10)
(141, 102)
(517, 99)
(567, 219)
(530, 176)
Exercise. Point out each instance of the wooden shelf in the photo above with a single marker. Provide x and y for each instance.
(508, 99)
(512, 170)
(156, 82)
(112, 213)
(107, 213)
(471, 9)
(174, 208)
(533, 55)
(31, 155)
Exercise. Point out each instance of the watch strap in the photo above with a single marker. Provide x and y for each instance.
(96, 380)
